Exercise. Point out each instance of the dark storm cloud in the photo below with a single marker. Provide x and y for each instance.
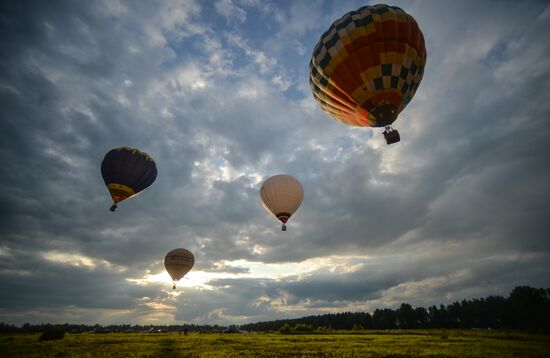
(488, 155)
(60, 132)
(373, 281)
(62, 284)
(457, 208)
(60, 75)
(386, 283)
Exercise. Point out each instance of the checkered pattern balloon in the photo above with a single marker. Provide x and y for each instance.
(367, 66)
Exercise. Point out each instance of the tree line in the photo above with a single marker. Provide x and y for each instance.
(113, 328)
(526, 308)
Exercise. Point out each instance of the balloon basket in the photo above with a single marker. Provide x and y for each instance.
(391, 135)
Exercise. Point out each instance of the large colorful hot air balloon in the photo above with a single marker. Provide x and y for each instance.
(178, 262)
(127, 171)
(281, 196)
(367, 66)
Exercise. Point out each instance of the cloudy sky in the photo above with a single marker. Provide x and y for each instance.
(217, 93)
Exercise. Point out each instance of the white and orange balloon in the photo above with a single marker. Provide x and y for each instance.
(178, 263)
(281, 196)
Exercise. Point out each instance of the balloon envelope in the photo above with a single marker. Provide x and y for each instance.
(281, 196)
(126, 171)
(367, 66)
(178, 262)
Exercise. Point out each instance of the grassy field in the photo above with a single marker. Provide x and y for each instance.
(436, 343)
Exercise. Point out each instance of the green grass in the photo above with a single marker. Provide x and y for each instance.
(434, 343)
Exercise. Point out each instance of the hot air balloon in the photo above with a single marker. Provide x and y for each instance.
(178, 262)
(367, 66)
(281, 196)
(127, 171)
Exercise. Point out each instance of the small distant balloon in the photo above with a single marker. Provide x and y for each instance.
(281, 196)
(126, 171)
(178, 263)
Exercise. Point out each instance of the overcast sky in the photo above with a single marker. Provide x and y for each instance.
(217, 93)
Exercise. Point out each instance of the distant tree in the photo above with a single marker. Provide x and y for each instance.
(493, 312)
(405, 316)
(384, 319)
(6, 328)
(529, 308)
(454, 313)
(421, 317)
(438, 317)
(302, 327)
(286, 329)
(468, 314)
(322, 329)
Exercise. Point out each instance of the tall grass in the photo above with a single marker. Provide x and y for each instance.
(396, 343)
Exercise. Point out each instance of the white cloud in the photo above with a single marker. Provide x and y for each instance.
(78, 260)
(230, 11)
(265, 63)
(281, 82)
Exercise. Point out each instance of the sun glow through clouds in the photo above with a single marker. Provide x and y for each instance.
(258, 270)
